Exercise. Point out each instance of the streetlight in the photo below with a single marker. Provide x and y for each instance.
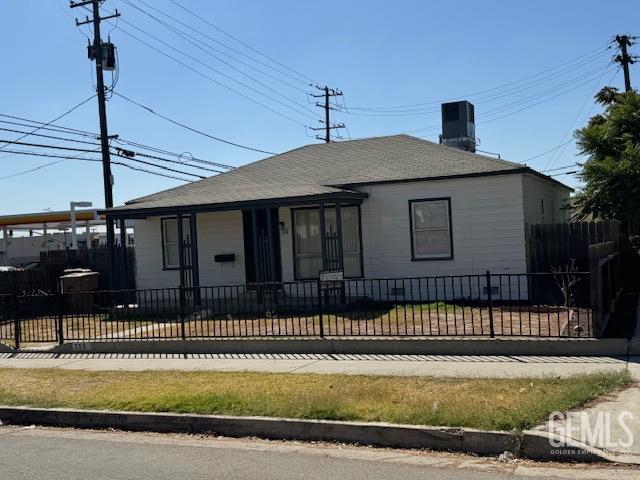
(74, 237)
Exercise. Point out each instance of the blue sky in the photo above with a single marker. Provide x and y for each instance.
(378, 53)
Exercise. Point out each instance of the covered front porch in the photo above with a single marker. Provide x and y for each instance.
(268, 241)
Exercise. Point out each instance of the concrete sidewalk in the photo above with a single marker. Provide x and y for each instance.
(401, 365)
(612, 425)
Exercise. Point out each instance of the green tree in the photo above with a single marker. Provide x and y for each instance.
(611, 174)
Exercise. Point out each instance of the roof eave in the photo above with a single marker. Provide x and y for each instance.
(513, 171)
(143, 212)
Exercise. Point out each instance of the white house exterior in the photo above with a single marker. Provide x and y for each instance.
(409, 208)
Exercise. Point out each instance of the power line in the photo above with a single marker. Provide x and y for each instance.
(528, 104)
(551, 162)
(564, 167)
(487, 98)
(200, 132)
(536, 103)
(95, 160)
(125, 153)
(84, 133)
(217, 82)
(564, 173)
(162, 167)
(172, 154)
(206, 65)
(595, 53)
(219, 29)
(570, 84)
(58, 128)
(47, 136)
(7, 143)
(54, 147)
(40, 167)
(204, 75)
(248, 65)
(547, 151)
(120, 154)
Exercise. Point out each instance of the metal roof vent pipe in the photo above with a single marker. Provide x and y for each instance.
(458, 125)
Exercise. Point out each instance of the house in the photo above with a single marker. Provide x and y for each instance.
(393, 206)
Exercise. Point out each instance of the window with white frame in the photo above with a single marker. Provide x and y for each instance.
(431, 229)
(170, 248)
(307, 246)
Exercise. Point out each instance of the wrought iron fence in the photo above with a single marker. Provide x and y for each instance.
(534, 304)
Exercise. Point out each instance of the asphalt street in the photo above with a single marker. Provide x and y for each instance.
(39, 453)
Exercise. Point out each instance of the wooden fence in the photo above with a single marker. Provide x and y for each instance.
(556, 245)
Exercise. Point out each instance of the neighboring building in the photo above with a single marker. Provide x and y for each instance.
(24, 236)
(408, 208)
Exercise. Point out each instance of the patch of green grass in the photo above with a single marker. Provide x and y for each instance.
(433, 307)
(502, 404)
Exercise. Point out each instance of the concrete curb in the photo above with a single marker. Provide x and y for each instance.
(531, 444)
(391, 346)
(378, 434)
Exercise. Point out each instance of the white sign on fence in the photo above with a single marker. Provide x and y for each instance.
(331, 275)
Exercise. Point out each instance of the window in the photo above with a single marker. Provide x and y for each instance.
(170, 255)
(307, 246)
(431, 229)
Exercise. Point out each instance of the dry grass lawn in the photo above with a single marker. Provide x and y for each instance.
(429, 319)
(505, 404)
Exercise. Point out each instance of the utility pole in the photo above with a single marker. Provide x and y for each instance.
(97, 52)
(327, 93)
(624, 58)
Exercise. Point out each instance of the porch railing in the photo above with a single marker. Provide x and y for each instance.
(491, 305)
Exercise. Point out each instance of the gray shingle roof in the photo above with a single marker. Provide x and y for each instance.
(328, 168)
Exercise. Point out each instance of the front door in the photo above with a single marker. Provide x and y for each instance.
(262, 245)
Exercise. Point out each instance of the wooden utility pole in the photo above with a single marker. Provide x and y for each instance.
(327, 93)
(625, 59)
(96, 53)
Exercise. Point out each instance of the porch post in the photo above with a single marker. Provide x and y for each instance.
(181, 250)
(323, 247)
(5, 245)
(339, 233)
(195, 266)
(112, 254)
(123, 248)
(272, 267)
(254, 234)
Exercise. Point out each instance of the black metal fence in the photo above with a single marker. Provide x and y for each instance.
(538, 305)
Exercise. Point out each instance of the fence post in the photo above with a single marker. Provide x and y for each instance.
(16, 316)
(320, 308)
(183, 333)
(490, 304)
(60, 317)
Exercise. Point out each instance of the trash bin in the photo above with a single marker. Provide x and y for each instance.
(75, 282)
